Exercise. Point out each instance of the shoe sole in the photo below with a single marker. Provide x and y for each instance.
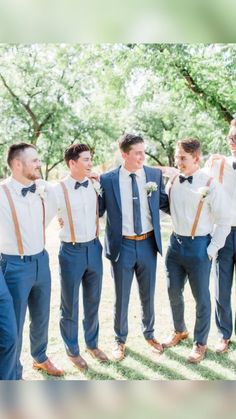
(165, 345)
(222, 352)
(102, 361)
(118, 359)
(81, 369)
(190, 361)
(46, 372)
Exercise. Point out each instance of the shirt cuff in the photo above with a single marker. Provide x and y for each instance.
(212, 250)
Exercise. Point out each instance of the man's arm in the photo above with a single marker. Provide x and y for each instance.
(220, 207)
(102, 199)
(164, 199)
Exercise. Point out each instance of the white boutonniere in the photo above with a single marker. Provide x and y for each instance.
(204, 192)
(97, 187)
(41, 191)
(151, 187)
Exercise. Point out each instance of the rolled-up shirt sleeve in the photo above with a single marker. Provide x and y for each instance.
(220, 204)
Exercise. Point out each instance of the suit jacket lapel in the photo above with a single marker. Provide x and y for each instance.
(151, 200)
(116, 187)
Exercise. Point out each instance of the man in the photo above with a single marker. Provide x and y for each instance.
(223, 169)
(80, 255)
(196, 203)
(24, 213)
(8, 334)
(132, 196)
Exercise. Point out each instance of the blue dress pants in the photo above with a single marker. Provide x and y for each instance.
(187, 258)
(8, 333)
(80, 263)
(139, 258)
(224, 272)
(29, 282)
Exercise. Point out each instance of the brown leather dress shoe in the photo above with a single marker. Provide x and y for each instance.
(79, 362)
(197, 354)
(222, 346)
(156, 345)
(48, 367)
(118, 352)
(174, 339)
(97, 354)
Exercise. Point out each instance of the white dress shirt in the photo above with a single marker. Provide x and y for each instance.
(184, 201)
(125, 183)
(229, 181)
(83, 203)
(29, 212)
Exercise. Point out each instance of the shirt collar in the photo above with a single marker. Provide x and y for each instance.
(126, 173)
(71, 181)
(194, 175)
(17, 186)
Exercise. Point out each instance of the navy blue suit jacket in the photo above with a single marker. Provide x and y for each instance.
(111, 202)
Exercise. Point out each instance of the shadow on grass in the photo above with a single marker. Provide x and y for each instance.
(48, 377)
(205, 372)
(232, 346)
(127, 372)
(221, 359)
(92, 374)
(166, 372)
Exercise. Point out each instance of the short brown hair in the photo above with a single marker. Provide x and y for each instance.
(127, 140)
(73, 152)
(15, 151)
(190, 145)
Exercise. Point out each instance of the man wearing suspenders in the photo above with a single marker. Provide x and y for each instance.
(223, 169)
(196, 204)
(24, 212)
(8, 333)
(80, 255)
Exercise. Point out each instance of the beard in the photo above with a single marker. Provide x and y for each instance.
(30, 175)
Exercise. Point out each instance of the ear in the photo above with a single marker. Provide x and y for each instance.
(124, 155)
(197, 158)
(16, 164)
(71, 164)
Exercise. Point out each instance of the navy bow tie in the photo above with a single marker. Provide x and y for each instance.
(234, 165)
(31, 188)
(78, 184)
(183, 178)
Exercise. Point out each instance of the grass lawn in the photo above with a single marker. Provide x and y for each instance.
(141, 363)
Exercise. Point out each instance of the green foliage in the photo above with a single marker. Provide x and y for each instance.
(56, 94)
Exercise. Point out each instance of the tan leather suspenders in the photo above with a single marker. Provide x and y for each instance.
(199, 208)
(171, 184)
(16, 223)
(69, 214)
(222, 166)
(198, 213)
(15, 220)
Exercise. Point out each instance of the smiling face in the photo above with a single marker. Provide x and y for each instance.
(26, 166)
(134, 158)
(187, 163)
(81, 167)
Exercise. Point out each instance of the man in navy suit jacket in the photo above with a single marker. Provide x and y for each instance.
(132, 196)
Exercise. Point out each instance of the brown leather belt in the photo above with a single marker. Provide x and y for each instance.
(140, 237)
